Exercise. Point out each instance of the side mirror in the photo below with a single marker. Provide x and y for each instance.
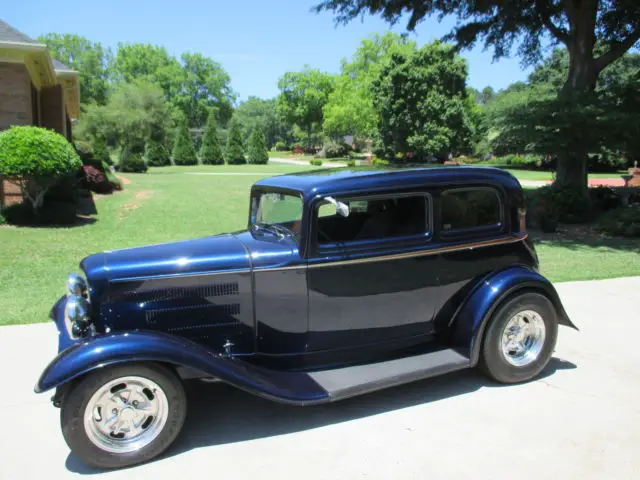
(342, 209)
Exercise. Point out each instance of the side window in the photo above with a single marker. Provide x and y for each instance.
(374, 218)
(469, 208)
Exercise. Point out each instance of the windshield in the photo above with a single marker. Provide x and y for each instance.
(278, 210)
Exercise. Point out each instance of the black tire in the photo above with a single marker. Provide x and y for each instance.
(493, 361)
(73, 411)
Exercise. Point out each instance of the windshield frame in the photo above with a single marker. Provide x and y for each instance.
(254, 206)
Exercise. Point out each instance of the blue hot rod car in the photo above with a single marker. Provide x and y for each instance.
(345, 282)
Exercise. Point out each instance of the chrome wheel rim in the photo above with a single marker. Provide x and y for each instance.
(523, 338)
(126, 414)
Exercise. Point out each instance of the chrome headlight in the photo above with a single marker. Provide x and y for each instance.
(76, 285)
(77, 312)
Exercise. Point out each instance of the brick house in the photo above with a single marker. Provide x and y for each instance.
(35, 89)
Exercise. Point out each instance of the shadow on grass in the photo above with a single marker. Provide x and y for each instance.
(220, 414)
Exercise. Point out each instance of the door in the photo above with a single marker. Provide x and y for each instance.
(368, 284)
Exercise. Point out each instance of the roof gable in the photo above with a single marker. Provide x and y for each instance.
(8, 34)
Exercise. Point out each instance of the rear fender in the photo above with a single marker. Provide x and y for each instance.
(472, 318)
(138, 346)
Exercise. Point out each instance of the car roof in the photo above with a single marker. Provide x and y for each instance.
(328, 181)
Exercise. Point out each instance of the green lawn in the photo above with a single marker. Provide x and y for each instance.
(166, 204)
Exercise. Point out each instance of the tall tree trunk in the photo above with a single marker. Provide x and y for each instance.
(581, 82)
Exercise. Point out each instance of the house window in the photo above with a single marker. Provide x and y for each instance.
(374, 218)
(470, 208)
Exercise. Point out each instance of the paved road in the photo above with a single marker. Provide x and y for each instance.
(581, 420)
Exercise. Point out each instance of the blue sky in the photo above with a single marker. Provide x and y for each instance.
(256, 41)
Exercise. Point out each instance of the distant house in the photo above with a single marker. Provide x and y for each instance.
(35, 89)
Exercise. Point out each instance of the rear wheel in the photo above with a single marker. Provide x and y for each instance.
(520, 339)
(123, 415)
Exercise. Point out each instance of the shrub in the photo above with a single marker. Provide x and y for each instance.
(281, 146)
(605, 198)
(351, 163)
(298, 149)
(624, 221)
(210, 150)
(95, 180)
(333, 149)
(101, 153)
(84, 150)
(2, 219)
(133, 163)
(379, 161)
(156, 155)
(234, 153)
(184, 152)
(565, 204)
(257, 151)
(52, 213)
(34, 158)
(316, 161)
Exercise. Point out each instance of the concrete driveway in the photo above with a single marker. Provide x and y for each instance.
(580, 420)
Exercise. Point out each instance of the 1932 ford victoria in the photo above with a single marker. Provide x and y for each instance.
(346, 281)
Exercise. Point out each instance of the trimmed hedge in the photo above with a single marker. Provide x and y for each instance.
(257, 153)
(35, 158)
(134, 163)
(210, 150)
(156, 155)
(234, 153)
(101, 153)
(184, 153)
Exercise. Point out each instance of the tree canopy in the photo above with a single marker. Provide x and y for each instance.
(303, 96)
(89, 58)
(423, 104)
(595, 34)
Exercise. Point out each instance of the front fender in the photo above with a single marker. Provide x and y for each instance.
(135, 346)
(476, 311)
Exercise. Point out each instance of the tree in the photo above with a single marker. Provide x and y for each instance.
(258, 113)
(134, 114)
(205, 85)
(34, 159)
(234, 153)
(422, 102)
(137, 62)
(302, 97)
(210, 150)
(257, 151)
(349, 110)
(613, 25)
(184, 153)
(89, 58)
(155, 154)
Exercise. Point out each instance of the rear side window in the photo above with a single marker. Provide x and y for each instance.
(376, 218)
(463, 209)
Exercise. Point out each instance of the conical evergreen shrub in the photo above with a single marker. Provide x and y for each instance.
(184, 153)
(101, 153)
(156, 155)
(234, 153)
(257, 151)
(210, 150)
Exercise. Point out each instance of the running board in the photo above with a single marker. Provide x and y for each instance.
(347, 382)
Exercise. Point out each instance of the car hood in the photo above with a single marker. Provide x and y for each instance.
(220, 253)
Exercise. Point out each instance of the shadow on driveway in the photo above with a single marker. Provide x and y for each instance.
(219, 414)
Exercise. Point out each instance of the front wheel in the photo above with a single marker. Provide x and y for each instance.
(123, 415)
(520, 339)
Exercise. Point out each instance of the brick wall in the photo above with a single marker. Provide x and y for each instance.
(15, 95)
(15, 109)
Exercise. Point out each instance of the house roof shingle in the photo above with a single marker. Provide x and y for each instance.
(12, 35)
(8, 34)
